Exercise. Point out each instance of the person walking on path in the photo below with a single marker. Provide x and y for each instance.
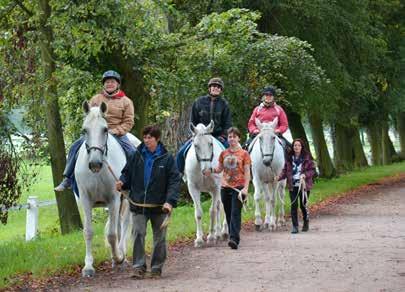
(299, 170)
(153, 181)
(235, 163)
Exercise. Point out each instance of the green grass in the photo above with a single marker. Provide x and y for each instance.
(51, 252)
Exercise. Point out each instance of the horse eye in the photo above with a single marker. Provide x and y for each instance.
(105, 130)
(84, 131)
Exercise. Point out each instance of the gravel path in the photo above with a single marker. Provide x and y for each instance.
(355, 244)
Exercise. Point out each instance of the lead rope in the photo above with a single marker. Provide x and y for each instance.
(165, 222)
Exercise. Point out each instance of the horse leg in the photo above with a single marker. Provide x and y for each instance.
(125, 221)
(218, 231)
(113, 213)
(257, 197)
(88, 269)
(213, 214)
(195, 195)
(225, 228)
(269, 220)
(281, 192)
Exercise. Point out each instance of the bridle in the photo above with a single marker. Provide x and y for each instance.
(270, 154)
(103, 148)
(199, 159)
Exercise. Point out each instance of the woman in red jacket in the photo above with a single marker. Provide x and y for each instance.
(299, 166)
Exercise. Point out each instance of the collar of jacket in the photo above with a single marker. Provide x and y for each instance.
(163, 149)
(119, 94)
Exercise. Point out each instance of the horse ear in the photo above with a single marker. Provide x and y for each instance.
(103, 107)
(86, 107)
(210, 127)
(258, 124)
(192, 128)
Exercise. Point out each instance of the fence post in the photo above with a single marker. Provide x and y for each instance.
(32, 218)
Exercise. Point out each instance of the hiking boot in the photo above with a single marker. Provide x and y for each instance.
(294, 230)
(232, 244)
(64, 185)
(155, 274)
(305, 227)
(138, 273)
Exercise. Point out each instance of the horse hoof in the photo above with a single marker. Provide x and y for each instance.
(266, 226)
(198, 243)
(211, 240)
(225, 236)
(258, 228)
(88, 273)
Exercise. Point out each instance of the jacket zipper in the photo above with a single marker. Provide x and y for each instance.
(146, 187)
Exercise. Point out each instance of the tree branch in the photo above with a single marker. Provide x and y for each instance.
(25, 9)
(8, 9)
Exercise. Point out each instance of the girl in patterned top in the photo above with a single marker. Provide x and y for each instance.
(235, 164)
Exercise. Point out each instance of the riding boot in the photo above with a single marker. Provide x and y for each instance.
(294, 230)
(64, 185)
(67, 174)
(305, 227)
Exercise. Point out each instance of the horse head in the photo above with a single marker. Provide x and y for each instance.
(95, 132)
(267, 140)
(203, 144)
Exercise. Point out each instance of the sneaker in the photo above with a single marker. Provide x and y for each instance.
(305, 227)
(232, 244)
(138, 273)
(294, 230)
(64, 185)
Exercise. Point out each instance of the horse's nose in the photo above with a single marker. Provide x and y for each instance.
(95, 166)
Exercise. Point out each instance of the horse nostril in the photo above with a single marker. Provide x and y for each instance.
(95, 166)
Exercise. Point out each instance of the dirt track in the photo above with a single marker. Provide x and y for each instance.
(356, 244)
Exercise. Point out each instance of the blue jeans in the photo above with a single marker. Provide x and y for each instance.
(74, 149)
(181, 154)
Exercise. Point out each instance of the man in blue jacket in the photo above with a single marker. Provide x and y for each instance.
(152, 177)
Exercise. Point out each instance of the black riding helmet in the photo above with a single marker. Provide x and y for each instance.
(216, 81)
(269, 89)
(111, 74)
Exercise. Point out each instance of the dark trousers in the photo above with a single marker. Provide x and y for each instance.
(294, 206)
(233, 210)
(181, 153)
(159, 240)
(72, 156)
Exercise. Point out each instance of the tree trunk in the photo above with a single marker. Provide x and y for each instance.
(69, 216)
(134, 87)
(348, 150)
(401, 132)
(388, 150)
(296, 127)
(360, 159)
(374, 138)
(326, 168)
(342, 148)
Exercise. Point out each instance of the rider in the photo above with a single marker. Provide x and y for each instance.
(206, 108)
(267, 111)
(120, 120)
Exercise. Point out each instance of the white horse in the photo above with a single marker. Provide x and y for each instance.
(268, 160)
(202, 155)
(96, 184)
